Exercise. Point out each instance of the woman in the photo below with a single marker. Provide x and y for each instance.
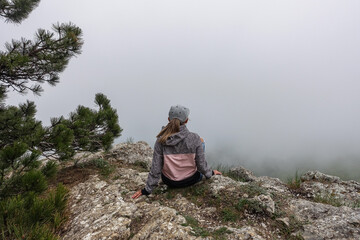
(178, 155)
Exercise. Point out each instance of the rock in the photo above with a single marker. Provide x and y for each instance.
(219, 182)
(100, 209)
(267, 201)
(325, 221)
(284, 220)
(319, 177)
(331, 189)
(245, 233)
(84, 157)
(163, 223)
(139, 153)
(243, 174)
(274, 185)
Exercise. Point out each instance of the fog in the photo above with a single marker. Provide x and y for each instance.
(271, 85)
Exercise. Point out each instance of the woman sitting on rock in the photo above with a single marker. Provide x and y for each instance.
(178, 155)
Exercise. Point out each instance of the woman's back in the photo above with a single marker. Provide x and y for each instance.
(179, 154)
(179, 157)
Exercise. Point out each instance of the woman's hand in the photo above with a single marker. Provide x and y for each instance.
(137, 194)
(216, 172)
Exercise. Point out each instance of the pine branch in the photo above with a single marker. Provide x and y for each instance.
(17, 10)
(39, 61)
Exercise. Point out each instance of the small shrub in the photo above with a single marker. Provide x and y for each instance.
(141, 164)
(199, 190)
(194, 224)
(105, 168)
(252, 206)
(99, 162)
(49, 169)
(328, 199)
(356, 204)
(33, 181)
(194, 192)
(234, 176)
(295, 224)
(169, 194)
(59, 198)
(41, 232)
(40, 210)
(219, 233)
(190, 221)
(229, 215)
(296, 237)
(253, 189)
(130, 140)
(33, 217)
(201, 232)
(287, 231)
(295, 182)
(11, 211)
(157, 191)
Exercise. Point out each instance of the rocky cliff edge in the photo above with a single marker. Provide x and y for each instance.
(238, 205)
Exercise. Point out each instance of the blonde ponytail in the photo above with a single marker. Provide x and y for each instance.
(170, 129)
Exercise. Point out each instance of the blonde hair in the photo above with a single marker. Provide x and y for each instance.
(170, 129)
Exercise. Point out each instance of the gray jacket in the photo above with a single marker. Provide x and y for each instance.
(180, 157)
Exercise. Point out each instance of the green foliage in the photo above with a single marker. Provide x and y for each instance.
(251, 206)
(32, 181)
(49, 169)
(141, 165)
(295, 182)
(194, 224)
(130, 140)
(234, 176)
(195, 193)
(288, 230)
(105, 167)
(229, 215)
(190, 221)
(31, 217)
(41, 232)
(85, 130)
(24, 66)
(356, 204)
(328, 199)
(252, 189)
(17, 10)
(23, 140)
(233, 208)
(199, 231)
(219, 233)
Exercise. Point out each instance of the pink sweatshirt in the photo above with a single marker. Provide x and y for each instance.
(179, 158)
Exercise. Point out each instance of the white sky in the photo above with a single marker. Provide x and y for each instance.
(268, 79)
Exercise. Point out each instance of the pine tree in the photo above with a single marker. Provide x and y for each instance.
(17, 10)
(24, 66)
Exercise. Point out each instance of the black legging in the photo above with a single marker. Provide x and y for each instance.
(183, 183)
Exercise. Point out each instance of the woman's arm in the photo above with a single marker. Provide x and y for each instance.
(155, 172)
(200, 161)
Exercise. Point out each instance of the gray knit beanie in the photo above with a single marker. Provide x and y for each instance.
(179, 112)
